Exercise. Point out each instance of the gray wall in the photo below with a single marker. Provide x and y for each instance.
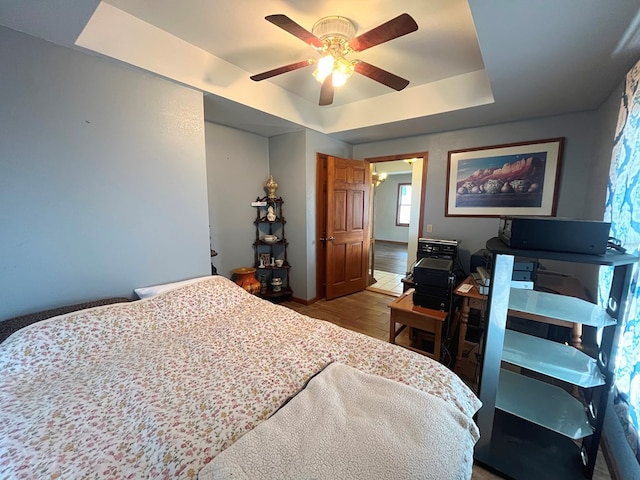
(102, 178)
(605, 125)
(578, 128)
(238, 165)
(316, 142)
(385, 207)
(598, 176)
(292, 160)
(287, 165)
(237, 169)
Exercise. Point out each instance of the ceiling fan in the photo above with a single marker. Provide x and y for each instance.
(333, 37)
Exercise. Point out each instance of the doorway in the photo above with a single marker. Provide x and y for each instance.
(418, 184)
(396, 218)
(342, 225)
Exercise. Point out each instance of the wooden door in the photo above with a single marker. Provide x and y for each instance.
(347, 226)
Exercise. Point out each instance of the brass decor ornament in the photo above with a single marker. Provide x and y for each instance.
(272, 186)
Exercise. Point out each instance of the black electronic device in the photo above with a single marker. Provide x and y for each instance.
(524, 269)
(523, 275)
(525, 264)
(433, 279)
(555, 234)
(481, 258)
(428, 300)
(432, 272)
(437, 248)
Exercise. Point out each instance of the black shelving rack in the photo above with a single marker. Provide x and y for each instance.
(538, 420)
(276, 250)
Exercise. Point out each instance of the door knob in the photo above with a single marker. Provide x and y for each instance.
(331, 239)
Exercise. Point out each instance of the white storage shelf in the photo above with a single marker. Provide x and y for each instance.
(531, 399)
(560, 307)
(553, 359)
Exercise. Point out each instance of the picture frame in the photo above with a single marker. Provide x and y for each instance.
(510, 179)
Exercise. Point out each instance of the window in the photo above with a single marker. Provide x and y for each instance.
(622, 205)
(403, 207)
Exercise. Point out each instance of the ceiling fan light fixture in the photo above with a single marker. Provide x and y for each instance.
(338, 78)
(343, 69)
(378, 177)
(324, 69)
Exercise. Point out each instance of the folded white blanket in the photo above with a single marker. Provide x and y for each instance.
(347, 424)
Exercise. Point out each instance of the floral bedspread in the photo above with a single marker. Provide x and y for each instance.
(156, 388)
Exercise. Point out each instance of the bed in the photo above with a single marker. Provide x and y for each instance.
(159, 387)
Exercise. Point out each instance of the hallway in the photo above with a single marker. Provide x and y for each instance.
(390, 267)
(386, 283)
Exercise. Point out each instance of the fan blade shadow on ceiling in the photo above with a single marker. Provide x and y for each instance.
(394, 28)
(326, 92)
(294, 29)
(280, 70)
(380, 75)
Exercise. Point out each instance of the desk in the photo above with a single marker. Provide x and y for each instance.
(550, 281)
(470, 299)
(404, 312)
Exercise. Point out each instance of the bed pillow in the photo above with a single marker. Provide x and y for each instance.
(153, 290)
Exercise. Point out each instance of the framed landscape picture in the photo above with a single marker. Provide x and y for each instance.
(513, 179)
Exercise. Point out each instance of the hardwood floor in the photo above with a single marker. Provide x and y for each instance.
(367, 312)
(391, 257)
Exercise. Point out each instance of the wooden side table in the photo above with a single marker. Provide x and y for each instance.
(471, 298)
(404, 312)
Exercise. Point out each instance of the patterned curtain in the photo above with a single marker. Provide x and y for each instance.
(623, 211)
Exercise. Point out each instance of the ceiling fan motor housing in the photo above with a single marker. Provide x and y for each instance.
(334, 27)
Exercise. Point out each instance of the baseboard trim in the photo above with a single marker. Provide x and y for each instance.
(303, 301)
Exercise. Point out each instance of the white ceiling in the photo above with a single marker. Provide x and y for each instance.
(470, 62)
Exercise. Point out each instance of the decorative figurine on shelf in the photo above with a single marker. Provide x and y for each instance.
(263, 284)
(264, 258)
(276, 284)
(272, 186)
(271, 214)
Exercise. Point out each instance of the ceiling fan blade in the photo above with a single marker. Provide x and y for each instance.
(380, 75)
(326, 91)
(294, 29)
(394, 28)
(278, 71)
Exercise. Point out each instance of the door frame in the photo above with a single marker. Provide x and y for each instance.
(422, 184)
(321, 225)
(321, 202)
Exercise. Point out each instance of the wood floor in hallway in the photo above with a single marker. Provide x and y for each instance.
(391, 257)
